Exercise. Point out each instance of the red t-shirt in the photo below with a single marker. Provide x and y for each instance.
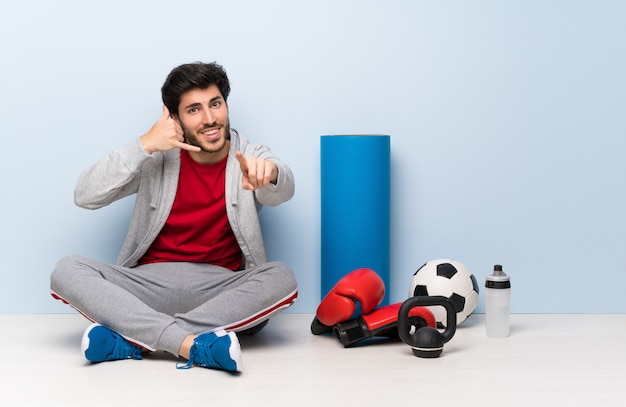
(197, 229)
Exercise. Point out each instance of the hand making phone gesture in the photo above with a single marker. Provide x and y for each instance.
(164, 135)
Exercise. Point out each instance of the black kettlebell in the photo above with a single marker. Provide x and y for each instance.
(426, 342)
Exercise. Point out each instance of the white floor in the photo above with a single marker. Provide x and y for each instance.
(549, 360)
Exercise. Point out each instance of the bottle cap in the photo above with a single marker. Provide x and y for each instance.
(498, 279)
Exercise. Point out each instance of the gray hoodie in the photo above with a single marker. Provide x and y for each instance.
(154, 178)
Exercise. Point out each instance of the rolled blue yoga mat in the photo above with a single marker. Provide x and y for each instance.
(355, 199)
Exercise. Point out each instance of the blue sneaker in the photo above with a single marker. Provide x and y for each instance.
(216, 350)
(100, 344)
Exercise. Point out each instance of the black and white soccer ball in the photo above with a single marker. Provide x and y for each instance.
(451, 279)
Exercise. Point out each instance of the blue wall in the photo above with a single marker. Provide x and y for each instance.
(506, 120)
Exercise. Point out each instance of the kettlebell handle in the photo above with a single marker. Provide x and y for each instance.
(425, 301)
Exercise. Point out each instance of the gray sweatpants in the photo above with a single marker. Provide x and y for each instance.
(158, 305)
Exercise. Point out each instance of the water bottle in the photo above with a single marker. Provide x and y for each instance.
(497, 303)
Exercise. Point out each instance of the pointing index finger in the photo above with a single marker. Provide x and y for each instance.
(242, 160)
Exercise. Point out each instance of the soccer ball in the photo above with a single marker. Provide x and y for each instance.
(450, 279)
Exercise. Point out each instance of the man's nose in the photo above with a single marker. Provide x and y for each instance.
(208, 116)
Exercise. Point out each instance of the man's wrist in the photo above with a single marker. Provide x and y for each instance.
(144, 145)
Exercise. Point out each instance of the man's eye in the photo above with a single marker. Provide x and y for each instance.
(193, 110)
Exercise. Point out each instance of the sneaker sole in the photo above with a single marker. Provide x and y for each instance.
(84, 343)
(235, 351)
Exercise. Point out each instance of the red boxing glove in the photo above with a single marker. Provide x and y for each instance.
(381, 322)
(361, 288)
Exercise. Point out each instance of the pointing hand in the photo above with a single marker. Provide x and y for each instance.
(256, 172)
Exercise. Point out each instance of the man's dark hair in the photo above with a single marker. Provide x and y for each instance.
(196, 75)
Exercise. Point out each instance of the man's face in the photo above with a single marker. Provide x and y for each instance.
(203, 116)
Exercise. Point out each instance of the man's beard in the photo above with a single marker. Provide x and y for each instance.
(190, 138)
